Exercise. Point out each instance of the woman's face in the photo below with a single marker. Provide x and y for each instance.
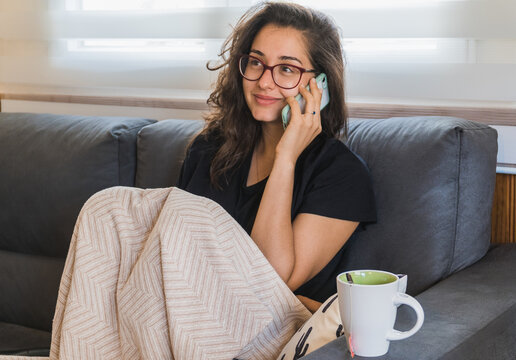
(275, 45)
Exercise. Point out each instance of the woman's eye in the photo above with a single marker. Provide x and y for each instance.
(287, 70)
(254, 62)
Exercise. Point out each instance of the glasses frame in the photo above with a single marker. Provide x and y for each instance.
(271, 68)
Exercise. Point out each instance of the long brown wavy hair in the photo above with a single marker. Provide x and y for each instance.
(230, 122)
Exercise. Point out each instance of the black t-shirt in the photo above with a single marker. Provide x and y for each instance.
(329, 180)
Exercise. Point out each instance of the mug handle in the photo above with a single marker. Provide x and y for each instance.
(402, 283)
(405, 299)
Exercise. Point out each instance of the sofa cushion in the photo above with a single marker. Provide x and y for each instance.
(161, 151)
(434, 181)
(470, 315)
(29, 285)
(14, 339)
(50, 165)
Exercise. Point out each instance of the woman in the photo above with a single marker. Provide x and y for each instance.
(166, 274)
(299, 192)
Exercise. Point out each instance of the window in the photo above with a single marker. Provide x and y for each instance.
(425, 49)
(139, 5)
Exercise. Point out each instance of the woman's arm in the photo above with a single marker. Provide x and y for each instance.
(316, 241)
(310, 304)
(297, 250)
(272, 230)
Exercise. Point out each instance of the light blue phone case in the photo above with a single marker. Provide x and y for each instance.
(322, 84)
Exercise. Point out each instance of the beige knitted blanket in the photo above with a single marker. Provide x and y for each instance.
(164, 274)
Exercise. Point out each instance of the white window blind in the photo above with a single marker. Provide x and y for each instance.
(403, 49)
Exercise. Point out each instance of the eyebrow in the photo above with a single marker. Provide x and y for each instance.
(284, 57)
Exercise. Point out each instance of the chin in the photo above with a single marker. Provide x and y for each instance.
(266, 116)
(268, 119)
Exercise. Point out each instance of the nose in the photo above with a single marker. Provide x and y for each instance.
(266, 81)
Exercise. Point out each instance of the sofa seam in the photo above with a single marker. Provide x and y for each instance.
(118, 160)
(118, 139)
(459, 133)
(139, 136)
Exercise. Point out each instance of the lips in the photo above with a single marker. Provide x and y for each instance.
(265, 100)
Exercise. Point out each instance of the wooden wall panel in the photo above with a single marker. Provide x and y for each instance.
(503, 229)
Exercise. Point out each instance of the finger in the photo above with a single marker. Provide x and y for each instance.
(309, 99)
(316, 93)
(312, 114)
(295, 110)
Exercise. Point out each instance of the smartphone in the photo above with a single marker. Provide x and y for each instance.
(322, 83)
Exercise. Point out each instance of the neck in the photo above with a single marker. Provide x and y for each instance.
(264, 152)
(271, 135)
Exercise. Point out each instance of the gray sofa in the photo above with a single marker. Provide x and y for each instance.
(433, 179)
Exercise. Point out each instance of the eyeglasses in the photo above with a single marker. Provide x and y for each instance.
(286, 76)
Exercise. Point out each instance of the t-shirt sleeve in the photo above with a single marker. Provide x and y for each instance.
(191, 162)
(182, 177)
(340, 187)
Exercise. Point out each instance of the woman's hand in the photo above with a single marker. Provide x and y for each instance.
(302, 128)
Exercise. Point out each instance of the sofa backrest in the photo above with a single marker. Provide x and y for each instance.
(433, 179)
(49, 166)
(161, 150)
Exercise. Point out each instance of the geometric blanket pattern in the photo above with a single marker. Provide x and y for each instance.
(164, 274)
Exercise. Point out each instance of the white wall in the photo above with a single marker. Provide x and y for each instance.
(506, 148)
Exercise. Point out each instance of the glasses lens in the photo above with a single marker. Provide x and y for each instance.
(286, 76)
(251, 68)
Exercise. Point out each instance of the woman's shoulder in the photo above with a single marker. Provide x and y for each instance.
(199, 155)
(336, 183)
(204, 142)
(333, 152)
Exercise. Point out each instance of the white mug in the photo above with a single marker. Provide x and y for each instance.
(368, 302)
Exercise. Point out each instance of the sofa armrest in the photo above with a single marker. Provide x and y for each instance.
(469, 315)
(434, 180)
(50, 165)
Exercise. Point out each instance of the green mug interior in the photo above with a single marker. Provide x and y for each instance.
(369, 277)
